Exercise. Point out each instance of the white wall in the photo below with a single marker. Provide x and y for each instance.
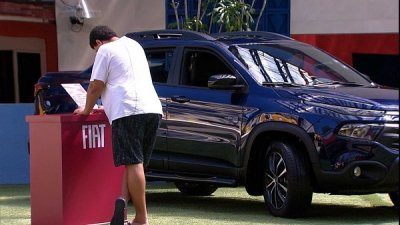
(122, 16)
(344, 16)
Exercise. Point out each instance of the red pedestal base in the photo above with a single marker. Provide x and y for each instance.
(73, 178)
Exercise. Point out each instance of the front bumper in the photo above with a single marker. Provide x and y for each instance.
(374, 177)
(351, 165)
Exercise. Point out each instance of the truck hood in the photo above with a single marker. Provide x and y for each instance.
(368, 98)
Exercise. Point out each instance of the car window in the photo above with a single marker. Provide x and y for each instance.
(199, 65)
(159, 63)
(294, 63)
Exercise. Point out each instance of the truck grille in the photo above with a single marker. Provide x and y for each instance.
(390, 134)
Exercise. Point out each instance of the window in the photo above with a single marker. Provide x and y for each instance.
(22, 61)
(7, 94)
(159, 63)
(199, 66)
(17, 82)
(28, 74)
(294, 63)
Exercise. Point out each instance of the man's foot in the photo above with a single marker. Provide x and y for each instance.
(119, 211)
(136, 223)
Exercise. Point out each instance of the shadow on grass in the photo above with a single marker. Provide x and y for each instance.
(359, 214)
(252, 211)
(208, 203)
(19, 201)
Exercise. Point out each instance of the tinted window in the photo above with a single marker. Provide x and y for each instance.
(200, 65)
(159, 63)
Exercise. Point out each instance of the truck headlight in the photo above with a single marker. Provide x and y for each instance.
(359, 130)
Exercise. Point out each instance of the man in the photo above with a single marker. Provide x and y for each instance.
(122, 78)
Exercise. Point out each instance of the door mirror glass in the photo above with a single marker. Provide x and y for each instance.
(222, 81)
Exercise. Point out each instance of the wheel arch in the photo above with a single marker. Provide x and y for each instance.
(263, 134)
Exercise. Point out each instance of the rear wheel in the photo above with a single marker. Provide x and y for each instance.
(287, 183)
(394, 196)
(195, 189)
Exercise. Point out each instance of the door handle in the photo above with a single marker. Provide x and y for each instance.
(180, 99)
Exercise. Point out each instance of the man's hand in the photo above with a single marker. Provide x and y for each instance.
(94, 91)
(80, 111)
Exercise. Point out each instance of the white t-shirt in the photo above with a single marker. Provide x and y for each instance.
(123, 67)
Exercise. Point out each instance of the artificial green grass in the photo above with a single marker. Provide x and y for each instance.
(167, 206)
(15, 205)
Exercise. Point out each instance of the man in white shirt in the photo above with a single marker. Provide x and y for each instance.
(121, 77)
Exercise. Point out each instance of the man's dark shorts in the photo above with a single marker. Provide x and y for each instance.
(133, 138)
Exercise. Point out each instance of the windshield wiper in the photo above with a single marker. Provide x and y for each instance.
(286, 84)
(350, 84)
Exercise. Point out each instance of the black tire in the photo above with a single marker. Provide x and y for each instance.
(287, 183)
(394, 196)
(195, 189)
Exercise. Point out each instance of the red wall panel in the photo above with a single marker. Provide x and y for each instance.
(46, 31)
(344, 45)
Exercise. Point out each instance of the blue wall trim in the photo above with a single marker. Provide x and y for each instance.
(14, 136)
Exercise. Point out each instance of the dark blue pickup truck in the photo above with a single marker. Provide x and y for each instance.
(260, 110)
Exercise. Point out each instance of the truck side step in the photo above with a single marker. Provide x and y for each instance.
(191, 179)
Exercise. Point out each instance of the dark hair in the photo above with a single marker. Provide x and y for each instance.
(101, 33)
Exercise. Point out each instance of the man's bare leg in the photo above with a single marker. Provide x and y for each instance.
(125, 193)
(124, 190)
(137, 189)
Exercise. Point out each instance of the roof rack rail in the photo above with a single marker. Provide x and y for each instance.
(169, 34)
(252, 34)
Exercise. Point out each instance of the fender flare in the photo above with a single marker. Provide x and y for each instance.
(280, 127)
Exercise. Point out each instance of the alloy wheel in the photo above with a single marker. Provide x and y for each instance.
(276, 180)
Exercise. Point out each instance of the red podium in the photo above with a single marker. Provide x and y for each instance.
(73, 178)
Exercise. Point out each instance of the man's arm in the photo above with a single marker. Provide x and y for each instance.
(94, 91)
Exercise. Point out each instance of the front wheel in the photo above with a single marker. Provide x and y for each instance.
(287, 183)
(195, 189)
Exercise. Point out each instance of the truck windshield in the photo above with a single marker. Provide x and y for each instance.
(296, 63)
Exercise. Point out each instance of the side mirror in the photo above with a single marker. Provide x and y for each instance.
(223, 82)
